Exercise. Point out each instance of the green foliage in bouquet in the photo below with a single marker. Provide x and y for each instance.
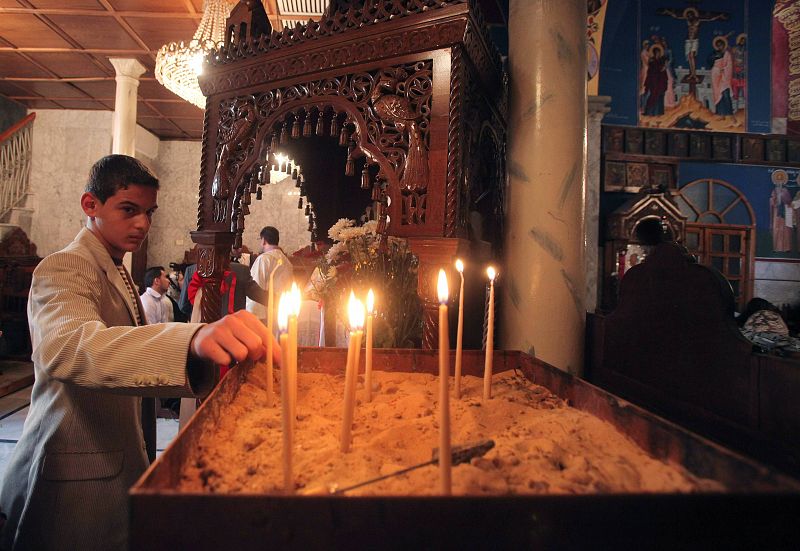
(360, 260)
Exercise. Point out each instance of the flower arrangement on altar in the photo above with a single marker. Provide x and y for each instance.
(360, 259)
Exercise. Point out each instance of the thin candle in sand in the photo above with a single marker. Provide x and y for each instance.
(460, 330)
(369, 336)
(295, 300)
(286, 408)
(356, 316)
(487, 365)
(271, 329)
(444, 390)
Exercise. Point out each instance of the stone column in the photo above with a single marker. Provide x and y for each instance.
(124, 142)
(124, 127)
(598, 107)
(543, 284)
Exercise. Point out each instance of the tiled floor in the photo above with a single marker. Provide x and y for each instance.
(14, 408)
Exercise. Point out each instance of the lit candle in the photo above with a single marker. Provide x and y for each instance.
(286, 410)
(368, 358)
(444, 390)
(487, 366)
(356, 314)
(295, 300)
(271, 329)
(460, 333)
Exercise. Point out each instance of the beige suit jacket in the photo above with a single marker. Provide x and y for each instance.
(81, 447)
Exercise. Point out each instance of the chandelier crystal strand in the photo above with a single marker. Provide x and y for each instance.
(178, 65)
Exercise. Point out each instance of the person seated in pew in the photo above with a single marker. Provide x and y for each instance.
(760, 316)
(763, 325)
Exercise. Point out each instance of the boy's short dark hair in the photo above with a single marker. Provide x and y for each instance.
(152, 273)
(271, 235)
(113, 172)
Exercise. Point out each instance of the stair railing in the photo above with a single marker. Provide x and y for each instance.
(15, 163)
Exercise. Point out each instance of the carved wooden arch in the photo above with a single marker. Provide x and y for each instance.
(354, 117)
(257, 161)
(253, 119)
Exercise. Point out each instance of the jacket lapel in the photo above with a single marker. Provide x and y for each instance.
(104, 260)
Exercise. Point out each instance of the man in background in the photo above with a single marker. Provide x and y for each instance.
(157, 306)
(271, 258)
(237, 287)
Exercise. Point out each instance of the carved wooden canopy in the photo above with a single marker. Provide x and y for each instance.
(413, 89)
(647, 204)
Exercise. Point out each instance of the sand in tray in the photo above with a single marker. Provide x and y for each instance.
(542, 446)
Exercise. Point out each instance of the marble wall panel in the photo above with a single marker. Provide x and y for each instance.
(65, 145)
(778, 282)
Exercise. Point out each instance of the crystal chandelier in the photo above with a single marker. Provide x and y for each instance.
(178, 65)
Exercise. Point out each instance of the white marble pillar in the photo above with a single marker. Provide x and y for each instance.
(124, 124)
(124, 127)
(598, 107)
(544, 282)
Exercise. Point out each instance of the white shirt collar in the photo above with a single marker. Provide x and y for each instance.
(152, 292)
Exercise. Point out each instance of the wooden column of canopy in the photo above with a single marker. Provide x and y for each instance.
(414, 87)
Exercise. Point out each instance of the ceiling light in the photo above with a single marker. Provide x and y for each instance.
(178, 65)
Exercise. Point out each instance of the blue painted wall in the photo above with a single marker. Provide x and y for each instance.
(755, 183)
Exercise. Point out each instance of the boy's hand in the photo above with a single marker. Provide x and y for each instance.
(234, 338)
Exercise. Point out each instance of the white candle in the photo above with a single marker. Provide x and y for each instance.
(460, 332)
(286, 411)
(356, 315)
(368, 358)
(487, 366)
(295, 300)
(444, 390)
(271, 329)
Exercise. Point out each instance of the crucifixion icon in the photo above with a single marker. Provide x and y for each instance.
(693, 17)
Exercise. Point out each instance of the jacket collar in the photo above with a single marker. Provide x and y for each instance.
(88, 240)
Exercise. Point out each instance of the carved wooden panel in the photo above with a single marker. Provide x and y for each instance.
(427, 147)
(679, 144)
(752, 149)
(636, 145)
(634, 141)
(655, 143)
(383, 114)
(16, 244)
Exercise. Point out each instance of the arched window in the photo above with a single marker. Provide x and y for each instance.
(720, 226)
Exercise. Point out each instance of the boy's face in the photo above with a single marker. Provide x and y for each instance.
(122, 222)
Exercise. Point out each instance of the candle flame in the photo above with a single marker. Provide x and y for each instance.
(370, 302)
(441, 287)
(355, 310)
(491, 272)
(295, 300)
(459, 266)
(281, 158)
(283, 312)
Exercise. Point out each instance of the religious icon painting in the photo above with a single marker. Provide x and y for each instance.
(679, 144)
(692, 65)
(776, 150)
(613, 140)
(637, 176)
(753, 149)
(614, 176)
(661, 177)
